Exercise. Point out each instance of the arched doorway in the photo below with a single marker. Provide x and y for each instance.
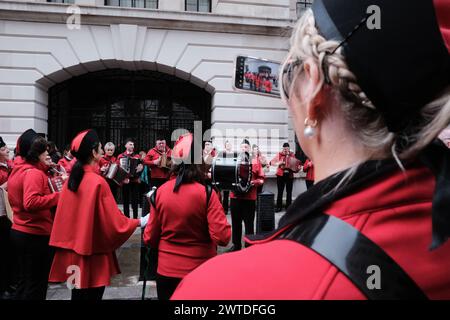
(120, 103)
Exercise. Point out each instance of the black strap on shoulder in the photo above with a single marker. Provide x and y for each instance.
(208, 189)
(356, 256)
(153, 198)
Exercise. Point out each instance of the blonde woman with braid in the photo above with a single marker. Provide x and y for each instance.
(367, 116)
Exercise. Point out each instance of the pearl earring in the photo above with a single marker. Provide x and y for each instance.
(310, 130)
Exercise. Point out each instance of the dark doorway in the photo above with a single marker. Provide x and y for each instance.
(119, 104)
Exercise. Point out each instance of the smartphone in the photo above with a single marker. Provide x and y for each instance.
(259, 76)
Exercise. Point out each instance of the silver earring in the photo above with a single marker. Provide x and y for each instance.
(310, 130)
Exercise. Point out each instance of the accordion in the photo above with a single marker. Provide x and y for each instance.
(292, 164)
(166, 161)
(130, 166)
(55, 183)
(133, 163)
(116, 173)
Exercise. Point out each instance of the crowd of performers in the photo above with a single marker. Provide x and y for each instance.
(78, 223)
(261, 82)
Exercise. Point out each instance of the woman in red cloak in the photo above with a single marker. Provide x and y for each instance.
(88, 226)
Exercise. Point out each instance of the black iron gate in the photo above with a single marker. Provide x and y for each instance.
(120, 104)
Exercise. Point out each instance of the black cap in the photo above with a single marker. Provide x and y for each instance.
(2, 143)
(245, 141)
(25, 141)
(285, 145)
(401, 66)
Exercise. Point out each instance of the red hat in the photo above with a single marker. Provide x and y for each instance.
(83, 143)
(182, 148)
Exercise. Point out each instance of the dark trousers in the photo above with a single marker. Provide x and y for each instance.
(89, 294)
(6, 254)
(242, 210)
(149, 256)
(114, 187)
(309, 184)
(165, 286)
(34, 257)
(282, 181)
(225, 200)
(130, 191)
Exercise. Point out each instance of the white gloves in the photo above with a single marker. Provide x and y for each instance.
(144, 220)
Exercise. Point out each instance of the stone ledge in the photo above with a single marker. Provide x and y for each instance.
(158, 19)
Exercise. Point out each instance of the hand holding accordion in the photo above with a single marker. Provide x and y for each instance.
(116, 173)
(292, 163)
(165, 161)
(56, 183)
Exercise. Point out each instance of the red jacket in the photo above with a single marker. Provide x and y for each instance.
(88, 228)
(67, 164)
(394, 212)
(281, 157)
(157, 172)
(5, 170)
(258, 177)
(31, 198)
(105, 160)
(184, 230)
(308, 167)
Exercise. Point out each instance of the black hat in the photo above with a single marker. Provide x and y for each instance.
(2, 143)
(25, 141)
(83, 143)
(285, 145)
(245, 141)
(401, 66)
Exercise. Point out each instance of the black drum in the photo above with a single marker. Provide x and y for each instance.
(234, 174)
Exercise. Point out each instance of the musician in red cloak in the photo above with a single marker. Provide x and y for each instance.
(88, 225)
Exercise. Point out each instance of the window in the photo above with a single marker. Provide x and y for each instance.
(149, 4)
(302, 6)
(198, 5)
(61, 1)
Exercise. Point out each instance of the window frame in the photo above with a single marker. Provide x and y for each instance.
(133, 4)
(198, 7)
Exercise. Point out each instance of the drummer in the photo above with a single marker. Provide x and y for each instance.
(243, 204)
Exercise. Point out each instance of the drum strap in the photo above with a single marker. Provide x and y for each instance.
(356, 256)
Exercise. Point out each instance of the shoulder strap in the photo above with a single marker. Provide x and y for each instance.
(153, 199)
(354, 254)
(208, 188)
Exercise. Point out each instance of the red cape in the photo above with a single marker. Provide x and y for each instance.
(89, 221)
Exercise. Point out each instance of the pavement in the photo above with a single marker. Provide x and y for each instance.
(126, 286)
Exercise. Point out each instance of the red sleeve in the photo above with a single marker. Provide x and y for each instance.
(114, 228)
(275, 159)
(149, 158)
(219, 229)
(259, 177)
(3, 176)
(34, 197)
(152, 231)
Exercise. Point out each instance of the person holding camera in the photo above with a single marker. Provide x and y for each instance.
(376, 223)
